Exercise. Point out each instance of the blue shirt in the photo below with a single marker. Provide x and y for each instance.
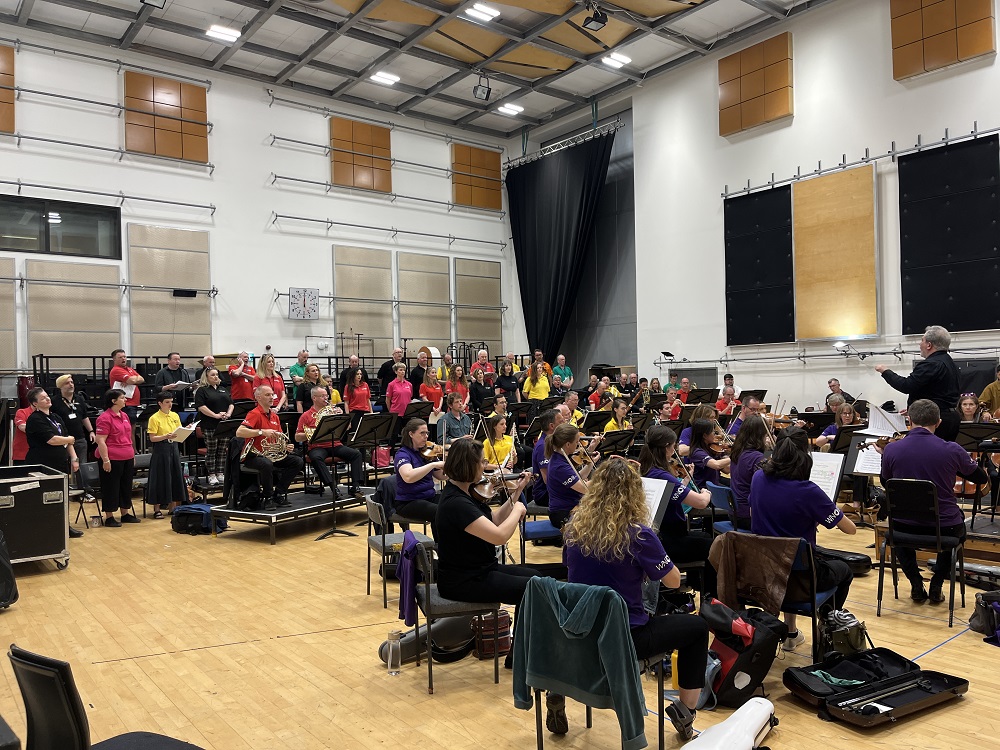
(561, 478)
(790, 507)
(734, 426)
(740, 474)
(675, 505)
(423, 488)
(539, 492)
(645, 558)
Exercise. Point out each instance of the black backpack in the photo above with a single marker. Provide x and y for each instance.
(194, 519)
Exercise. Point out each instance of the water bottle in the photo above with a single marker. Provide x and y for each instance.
(393, 653)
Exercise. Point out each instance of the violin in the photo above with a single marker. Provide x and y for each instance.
(676, 467)
(489, 488)
(432, 452)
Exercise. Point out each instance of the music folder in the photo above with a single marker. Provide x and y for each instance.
(658, 493)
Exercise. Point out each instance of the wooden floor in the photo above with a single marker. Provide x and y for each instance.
(231, 643)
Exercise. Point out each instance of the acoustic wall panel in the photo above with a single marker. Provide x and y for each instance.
(932, 34)
(7, 92)
(165, 117)
(8, 332)
(834, 234)
(755, 85)
(360, 155)
(477, 282)
(949, 236)
(424, 278)
(760, 306)
(363, 273)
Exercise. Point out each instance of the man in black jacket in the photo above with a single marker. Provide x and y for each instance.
(936, 379)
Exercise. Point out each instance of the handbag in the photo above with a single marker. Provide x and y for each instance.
(843, 633)
(986, 615)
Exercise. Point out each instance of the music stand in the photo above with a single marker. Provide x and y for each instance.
(703, 396)
(842, 441)
(480, 427)
(595, 421)
(758, 394)
(642, 422)
(550, 403)
(724, 420)
(518, 409)
(487, 406)
(686, 411)
(656, 400)
(333, 428)
(533, 431)
(417, 410)
(971, 434)
(676, 425)
(861, 407)
(817, 422)
(616, 442)
(374, 428)
(243, 407)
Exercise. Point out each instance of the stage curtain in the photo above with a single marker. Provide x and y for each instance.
(553, 202)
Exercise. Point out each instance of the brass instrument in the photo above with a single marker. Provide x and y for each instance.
(325, 411)
(272, 448)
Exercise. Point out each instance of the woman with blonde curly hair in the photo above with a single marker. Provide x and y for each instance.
(608, 542)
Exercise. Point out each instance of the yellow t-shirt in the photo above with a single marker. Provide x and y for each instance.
(613, 426)
(497, 451)
(335, 396)
(163, 424)
(540, 391)
(577, 418)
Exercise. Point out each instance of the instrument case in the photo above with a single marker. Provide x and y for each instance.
(891, 687)
(34, 513)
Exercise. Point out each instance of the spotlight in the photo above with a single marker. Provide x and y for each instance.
(482, 90)
(597, 21)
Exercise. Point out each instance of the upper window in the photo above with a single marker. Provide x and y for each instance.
(31, 225)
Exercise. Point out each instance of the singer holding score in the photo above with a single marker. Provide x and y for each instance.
(166, 478)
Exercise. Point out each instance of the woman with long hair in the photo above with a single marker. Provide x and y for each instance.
(479, 390)
(619, 408)
(654, 386)
(498, 445)
(969, 411)
(785, 503)
(358, 395)
(701, 411)
(681, 544)
(609, 543)
(746, 456)
(537, 384)
(415, 494)
(213, 405)
(312, 378)
(431, 390)
(458, 383)
(707, 464)
(507, 382)
(565, 484)
(267, 374)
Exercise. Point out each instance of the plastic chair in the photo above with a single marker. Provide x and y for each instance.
(90, 479)
(722, 499)
(916, 500)
(56, 718)
(384, 545)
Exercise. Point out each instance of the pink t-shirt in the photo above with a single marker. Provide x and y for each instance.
(397, 395)
(118, 428)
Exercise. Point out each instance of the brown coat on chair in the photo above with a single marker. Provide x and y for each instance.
(753, 567)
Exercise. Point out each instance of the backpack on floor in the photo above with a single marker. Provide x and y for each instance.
(196, 518)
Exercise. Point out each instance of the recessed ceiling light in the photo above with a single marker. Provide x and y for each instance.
(616, 60)
(386, 79)
(223, 33)
(482, 12)
(510, 109)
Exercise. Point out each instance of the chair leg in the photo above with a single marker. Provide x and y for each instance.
(817, 656)
(951, 592)
(538, 719)
(895, 573)
(960, 551)
(368, 590)
(881, 578)
(430, 659)
(659, 702)
(590, 717)
(385, 589)
(496, 647)
(416, 632)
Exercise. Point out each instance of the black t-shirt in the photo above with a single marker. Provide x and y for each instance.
(386, 374)
(461, 556)
(216, 399)
(416, 379)
(479, 393)
(39, 429)
(72, 415)
(508, 384)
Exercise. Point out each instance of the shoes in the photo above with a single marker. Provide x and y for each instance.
(129, 518)
(936, 596)
(555, 713)
(356, 493)
(918, 593)
(88, 498)
(158, 515)
(282, 501)
(213, 481)
(220, 478)
(792, 641)
(74, 533)
(112, 522)
(682, 718)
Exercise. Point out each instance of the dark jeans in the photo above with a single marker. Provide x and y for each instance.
(558, 518)
(286, 469)
(351, 456)
(683, 546)
(116, 486)
(830, 574)
(687, 634)
(908, 557)
(503, 583)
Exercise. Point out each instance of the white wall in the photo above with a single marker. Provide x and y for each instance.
(845, 101)
(250, 258)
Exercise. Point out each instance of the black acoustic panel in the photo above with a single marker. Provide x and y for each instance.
(768, 209)
(950, 229)
(950, 169)
(760, 316)
(961, 297)
(754, 261)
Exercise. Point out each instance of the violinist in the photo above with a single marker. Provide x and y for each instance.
(845, 414)
(565, 484)
(681, 544)
(701, 411)
(707, 454)
(456, 423)
(498, 445)
(746, 457)
(415, 475)
(971, 410)
(727, 402)
(750, 406)
(619, 408)
(548, 420)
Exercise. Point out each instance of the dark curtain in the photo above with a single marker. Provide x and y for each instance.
(553, 203)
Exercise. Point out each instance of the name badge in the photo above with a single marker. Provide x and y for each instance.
(71, 415)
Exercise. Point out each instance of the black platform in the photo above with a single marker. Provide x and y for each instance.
(302, 505)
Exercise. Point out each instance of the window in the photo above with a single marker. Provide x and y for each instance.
(30, 225)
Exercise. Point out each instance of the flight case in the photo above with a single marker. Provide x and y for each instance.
(34, 513)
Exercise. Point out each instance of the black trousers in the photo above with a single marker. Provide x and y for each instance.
(685, 546)
(558, 518)
(351, 456)
(687, 634)
(830, 574)
(285, 470)
(503, 583)
(116, 486)
(942, 566)
(419, 510)
(951, 422)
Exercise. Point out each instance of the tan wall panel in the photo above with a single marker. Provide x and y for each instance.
(175, 268)
(160, 312)
(424, 323)
(362, 272)
(834, 255)
(92, 309)
(77, 344)
(418, 262)
(475, 290)
(372, 319)
(8, 337)
(479, 325)
(158, 344)
(144, 235)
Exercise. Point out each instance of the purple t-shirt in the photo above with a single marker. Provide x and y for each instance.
(685, 438)
(539, 492)
(561, 478)
(675, 506)
(923, 455)
(645, 558)
(740, 474)
(734, 426)
(830, 431)
(423, 488)
(790, 507)
(702, 473)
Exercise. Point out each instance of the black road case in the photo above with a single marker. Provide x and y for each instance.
(34, 513)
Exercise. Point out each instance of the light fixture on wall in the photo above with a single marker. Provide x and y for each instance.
(482, 89)
(154, 3)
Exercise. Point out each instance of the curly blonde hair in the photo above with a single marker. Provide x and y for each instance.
(610, 512)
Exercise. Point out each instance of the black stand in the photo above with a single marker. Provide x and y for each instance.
(417, 410)
(518, 411)
(616, 442)
(642, 423)
(374, 428)
(550, 402)
(983, 439)
(703, 396)
(332, 428)
(595, 421)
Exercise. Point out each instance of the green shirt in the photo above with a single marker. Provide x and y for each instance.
(297, 370)
(563, 372)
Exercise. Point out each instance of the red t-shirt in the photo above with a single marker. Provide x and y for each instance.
(120, 375)
(675, 413)
(434, 394)
(258, 420)
(721, 405)
(487, 369)
(359, 398)
(20, 447)
(448, 388)
(308, 419)
(276, 383)
(683, 396)
(241, 387)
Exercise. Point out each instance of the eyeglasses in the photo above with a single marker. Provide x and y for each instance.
(967, 395)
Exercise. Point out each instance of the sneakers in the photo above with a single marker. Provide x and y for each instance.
(555, 713)
(113, 522)
(213, 480)
(792, 641)
(129, 518)
(682, 718)
(918, 593)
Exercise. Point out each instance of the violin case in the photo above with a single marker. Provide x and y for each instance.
(859, 563)
(884, 687)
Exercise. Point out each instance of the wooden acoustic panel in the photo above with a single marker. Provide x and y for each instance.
(165, 117)
(834, 255)
(934, 34)
(755, 85)
(475, 177)
(360, 155)
(7, 124)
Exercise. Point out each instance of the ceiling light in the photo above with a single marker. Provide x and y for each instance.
(616, 60)
(482, 90)
(386, 79)
(155, 3)
(482, 12)
(597, 21)
(223, 33)
(510, 109)
(54, 218)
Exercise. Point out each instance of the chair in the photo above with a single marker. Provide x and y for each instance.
(434, 606)
(8, 740)
(722, 499)
(142, 461)
(90, 478)
(916, 500)
(536, 530)
(384, 545)
(56, 718)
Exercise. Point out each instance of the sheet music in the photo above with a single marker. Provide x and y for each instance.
(183, 433)
(869, 461)
(883, 424)
(826, 471)
(655, 490)
(129, 389)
